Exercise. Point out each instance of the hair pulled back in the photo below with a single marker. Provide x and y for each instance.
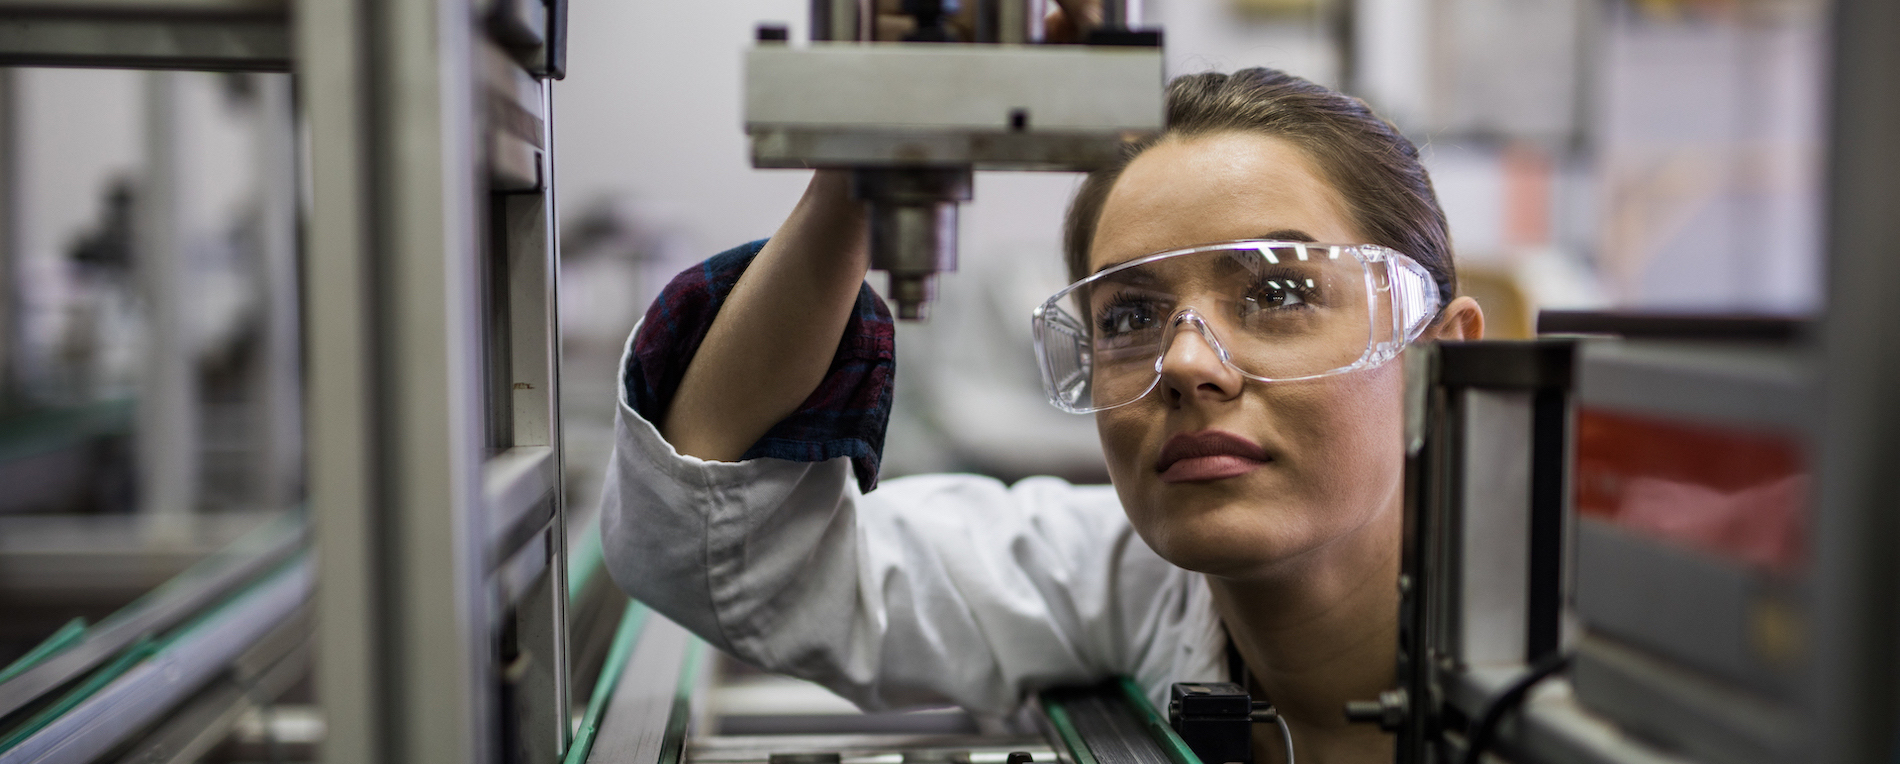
(1376, 170)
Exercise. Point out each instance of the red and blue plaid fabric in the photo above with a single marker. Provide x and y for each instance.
(845, 416)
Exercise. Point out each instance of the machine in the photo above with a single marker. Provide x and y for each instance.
(912, 119)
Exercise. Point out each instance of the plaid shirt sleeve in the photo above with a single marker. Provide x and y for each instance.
(845, 416)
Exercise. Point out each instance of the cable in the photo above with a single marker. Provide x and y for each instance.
(1286, 736)
(1479, 735)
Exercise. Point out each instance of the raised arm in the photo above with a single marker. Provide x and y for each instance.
(774, 338)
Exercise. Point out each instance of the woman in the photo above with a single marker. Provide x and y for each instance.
(1264, 515)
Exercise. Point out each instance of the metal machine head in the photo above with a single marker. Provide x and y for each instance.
(913, 120)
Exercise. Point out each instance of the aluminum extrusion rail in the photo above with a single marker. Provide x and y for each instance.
(180, 665)
(1110, 723)
(163, 609)
(210, 35)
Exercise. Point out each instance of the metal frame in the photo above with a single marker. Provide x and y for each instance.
(218, 35)
(1853, 700)
(434, 437)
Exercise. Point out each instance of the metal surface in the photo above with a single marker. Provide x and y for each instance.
(1494, 573)
(965, 87)
(834, 20)
(913, 119)
(1854, 698)
(278, 380)
(168, 396)
(1683, 710)
(1679, 605)
(1010, 22)
(213, 43)
(181, 9)
(1551, 728)
(1735, 385)
(913, 216)
(10, 241)
(257, 678)
(389, 87)
(516, 482)
(1109, 723)
(149, 690)
(793, 148)
(164, 609)
(645, 717)
(912, 749)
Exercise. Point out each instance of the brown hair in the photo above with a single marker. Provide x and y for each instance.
(1374, 167)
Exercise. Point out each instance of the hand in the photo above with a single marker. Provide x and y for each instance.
(1072, 20)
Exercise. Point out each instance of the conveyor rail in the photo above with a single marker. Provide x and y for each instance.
(163, 609)
(159, 673)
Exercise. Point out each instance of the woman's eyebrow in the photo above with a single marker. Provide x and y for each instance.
(1288, 234)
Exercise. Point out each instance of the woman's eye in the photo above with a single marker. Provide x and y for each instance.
(1125, 319)
(1273, 295)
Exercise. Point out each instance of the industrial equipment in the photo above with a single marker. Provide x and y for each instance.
(912, 119)
(1608, 542)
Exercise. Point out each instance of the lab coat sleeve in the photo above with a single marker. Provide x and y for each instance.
(933, 590)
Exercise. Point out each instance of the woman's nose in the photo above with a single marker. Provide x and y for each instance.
(1191, 366)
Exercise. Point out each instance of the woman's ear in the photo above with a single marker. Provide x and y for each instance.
(1462, 320)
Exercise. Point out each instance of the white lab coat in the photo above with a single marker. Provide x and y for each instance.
(930, 590)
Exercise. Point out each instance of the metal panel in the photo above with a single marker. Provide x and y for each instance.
(212, 43)
(953, 86)
(1694, 610)
(167, 431)
(279, 380)
(1855, 697)
(396, 475)
(187, 9)
(1733, 385)
(642, 712)
(333, 74)
(10, 313)
(1685, 711)
(531, 278)
(1495, 525)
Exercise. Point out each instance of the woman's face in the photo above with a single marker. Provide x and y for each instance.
(1332, 446)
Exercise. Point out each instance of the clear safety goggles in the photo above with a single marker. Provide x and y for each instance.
(1274, 311)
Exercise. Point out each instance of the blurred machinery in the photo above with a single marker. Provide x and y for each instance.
(912, 119)
(1668, 538)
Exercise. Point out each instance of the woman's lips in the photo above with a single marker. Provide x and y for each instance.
(1208, 455)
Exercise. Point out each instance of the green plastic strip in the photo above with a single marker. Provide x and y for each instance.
(583, 563)
(67, 636)
(1052, 707)
(126, 660)
(1158, 726)
(624, 638)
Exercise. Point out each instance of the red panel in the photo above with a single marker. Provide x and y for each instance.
(1741, 494)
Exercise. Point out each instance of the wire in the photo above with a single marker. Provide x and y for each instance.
(1286, 736)
(1479, 735)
